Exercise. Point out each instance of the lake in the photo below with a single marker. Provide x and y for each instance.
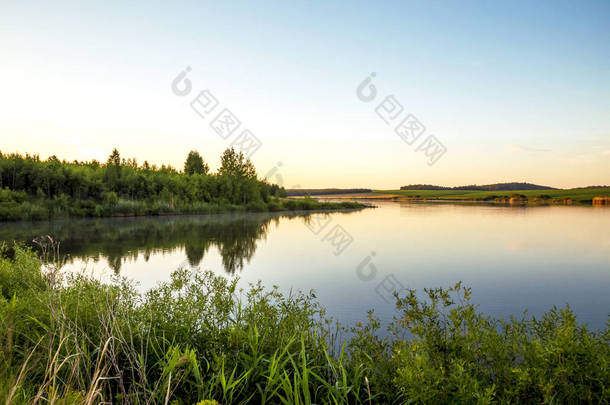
(514, 258)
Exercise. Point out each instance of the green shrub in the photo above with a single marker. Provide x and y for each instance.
(274, 205)
(110, 198)
(68, 338)
(6, 195)
(258, 206)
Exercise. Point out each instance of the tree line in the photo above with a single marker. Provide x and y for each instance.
(89, 185)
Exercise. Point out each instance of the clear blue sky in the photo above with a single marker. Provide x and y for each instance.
(516, 91)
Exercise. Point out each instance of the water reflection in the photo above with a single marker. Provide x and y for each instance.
(514, 258)
(235, 236)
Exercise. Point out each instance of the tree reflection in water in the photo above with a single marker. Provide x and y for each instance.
(115, 240)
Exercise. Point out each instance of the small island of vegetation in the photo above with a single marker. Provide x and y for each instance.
(34, 189)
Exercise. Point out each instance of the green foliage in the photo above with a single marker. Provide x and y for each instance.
(31, 188)
(458, 355)
(110, 198)
(194, 164)
(236, 165)
(34, 189)
(196, 339)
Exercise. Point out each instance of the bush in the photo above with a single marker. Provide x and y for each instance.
(68, 338)
(7, 195)
(110, 198)
(274, 205)
(35, 211)
(258, 206)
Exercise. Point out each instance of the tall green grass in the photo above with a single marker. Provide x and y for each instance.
(16, 206)
(68, 338)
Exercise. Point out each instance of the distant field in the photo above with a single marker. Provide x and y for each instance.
(582, 195)
(300, 192)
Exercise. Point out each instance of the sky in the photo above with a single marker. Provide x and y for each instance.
(510, 91)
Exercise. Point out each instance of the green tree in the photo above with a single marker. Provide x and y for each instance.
(86, 184)
(114, 159)
(194, 164)
(236, 165)
(113, 170)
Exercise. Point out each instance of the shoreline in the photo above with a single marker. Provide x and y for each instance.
(517, 198)
(284, 206)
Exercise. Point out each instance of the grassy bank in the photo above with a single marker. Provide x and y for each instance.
(573, 196)
(17, 206)
(70, 339)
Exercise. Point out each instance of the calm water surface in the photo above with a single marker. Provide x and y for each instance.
(514, 258)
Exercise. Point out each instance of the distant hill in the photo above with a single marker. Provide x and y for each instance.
(325, 191)
(474, 187)
(589, 187)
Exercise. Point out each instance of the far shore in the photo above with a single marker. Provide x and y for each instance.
(586, 196)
